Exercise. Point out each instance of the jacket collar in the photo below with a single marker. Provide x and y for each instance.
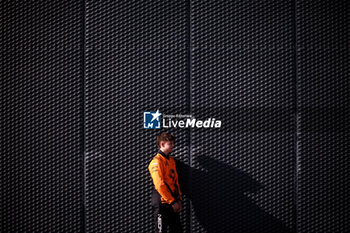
(163, 154)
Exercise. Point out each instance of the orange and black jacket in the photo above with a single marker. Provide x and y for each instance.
(165, 179)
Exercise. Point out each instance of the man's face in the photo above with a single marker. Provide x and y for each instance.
(167, 146)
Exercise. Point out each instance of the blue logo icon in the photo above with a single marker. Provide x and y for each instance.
(151, 120)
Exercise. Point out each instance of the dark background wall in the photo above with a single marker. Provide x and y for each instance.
(76, 78)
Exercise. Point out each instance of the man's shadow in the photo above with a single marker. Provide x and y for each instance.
(219, 198)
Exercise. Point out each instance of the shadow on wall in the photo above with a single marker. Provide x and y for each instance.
(219, 201)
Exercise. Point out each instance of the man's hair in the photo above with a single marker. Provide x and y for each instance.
(166, 137)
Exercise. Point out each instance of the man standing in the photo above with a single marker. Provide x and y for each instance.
(166, 197)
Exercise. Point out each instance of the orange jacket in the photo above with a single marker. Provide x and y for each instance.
(165, 179)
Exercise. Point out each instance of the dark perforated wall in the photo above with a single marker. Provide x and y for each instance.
(77, 77)
(41, 133)
(136, 61)
(242, 73)
(323, 101)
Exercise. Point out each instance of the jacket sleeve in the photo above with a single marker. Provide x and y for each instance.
(155, 168)
(178, 186)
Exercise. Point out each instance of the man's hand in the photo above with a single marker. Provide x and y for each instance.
(177, 207)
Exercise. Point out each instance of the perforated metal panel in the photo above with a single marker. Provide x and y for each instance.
(136, 61)
(77, 76)
(242, 65)
(41, 135)
(323, 91)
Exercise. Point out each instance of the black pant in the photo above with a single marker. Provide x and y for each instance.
(165, 216)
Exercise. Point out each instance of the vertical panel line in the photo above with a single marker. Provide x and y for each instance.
(83, 114)
(296, 118)
(189, 59)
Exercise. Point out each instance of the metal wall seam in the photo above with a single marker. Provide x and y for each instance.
(189, 53)
(83, 45)
(296, 115)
